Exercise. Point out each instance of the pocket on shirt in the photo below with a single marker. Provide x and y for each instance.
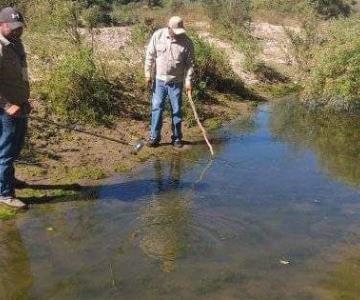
(161, 48)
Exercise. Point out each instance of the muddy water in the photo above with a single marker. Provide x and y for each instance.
(272, 217)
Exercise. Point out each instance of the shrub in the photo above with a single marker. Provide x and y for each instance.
(95, 16)
(334, 80)
(211, 66)
(77, 91)
(325, 8)
(229, 12)
(123, 15)
(332, 8)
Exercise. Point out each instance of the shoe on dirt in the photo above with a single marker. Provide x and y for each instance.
(178, 144)
(152, 143)
(12, 202)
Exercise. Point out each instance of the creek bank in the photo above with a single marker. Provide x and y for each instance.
(62, 161)
(59, 163)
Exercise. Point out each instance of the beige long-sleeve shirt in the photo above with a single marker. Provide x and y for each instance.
(172, 59)
(14, 81)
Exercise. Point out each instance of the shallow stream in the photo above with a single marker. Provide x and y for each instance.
(276, 215)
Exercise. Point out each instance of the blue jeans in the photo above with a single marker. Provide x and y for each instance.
(160, 93)
(12, 137)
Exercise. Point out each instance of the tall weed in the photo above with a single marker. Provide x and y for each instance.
(334, 80)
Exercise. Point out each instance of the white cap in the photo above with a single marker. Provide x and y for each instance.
(176, 24)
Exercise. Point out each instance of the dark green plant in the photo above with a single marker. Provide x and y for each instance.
(334, 80)
(229, 12)
(78, 91)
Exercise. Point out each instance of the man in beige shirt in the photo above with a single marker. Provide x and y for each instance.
(168, 66)
(14, 104)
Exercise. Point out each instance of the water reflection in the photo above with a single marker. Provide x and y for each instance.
(15, 272)
(334, 138)
(166, 219)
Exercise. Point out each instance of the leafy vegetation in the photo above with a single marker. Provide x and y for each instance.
(295, 8)
(78, 91)
(333, 80)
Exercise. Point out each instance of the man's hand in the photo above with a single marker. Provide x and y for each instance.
(148, 82)
(14, 110)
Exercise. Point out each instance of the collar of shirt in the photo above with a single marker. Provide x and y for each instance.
(4, 41)
(169, 37)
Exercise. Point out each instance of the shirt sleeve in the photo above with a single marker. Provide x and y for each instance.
(189, 64)
(150, 57)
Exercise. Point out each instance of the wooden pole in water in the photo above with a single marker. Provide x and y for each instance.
(192, 104)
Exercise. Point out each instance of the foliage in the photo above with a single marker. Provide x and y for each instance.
(334, 80)
(123, 15)
(6, 213)
(77, 90)
(229, 12)
(54, 16)
(232, 19)
(211, 67)
(303, 42)
(295, 8)
(332, 8)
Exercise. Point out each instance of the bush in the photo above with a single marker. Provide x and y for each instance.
(211, 66)
(334, 80)
(95, 16)
(332, 8)
(229, 12)
(296, 8)
(123, 15)
(77, 91)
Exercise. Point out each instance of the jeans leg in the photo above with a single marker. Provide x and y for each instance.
(20, 133)
(158, 104)
(175, 95)
(8, 149)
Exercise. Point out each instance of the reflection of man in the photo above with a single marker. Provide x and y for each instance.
(14, 95)
(171, 53)
(172, 181)
(15, 272)
(166, 220)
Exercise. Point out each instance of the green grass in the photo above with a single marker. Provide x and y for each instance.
(212, 124)
(122, 168)
(334, 80)
(280, 90)
(34, 193)
(6, 213)
(85, 172)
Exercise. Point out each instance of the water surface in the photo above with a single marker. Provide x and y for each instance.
(270, 218)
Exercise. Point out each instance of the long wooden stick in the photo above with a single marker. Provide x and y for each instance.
(199, 123)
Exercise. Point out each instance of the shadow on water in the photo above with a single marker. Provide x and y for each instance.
(129, 191)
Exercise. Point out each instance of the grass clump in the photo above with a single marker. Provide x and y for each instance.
(334, 80)
(281, 9)
(85, 173)
(122, 168)
(77, 90)
(6, 213)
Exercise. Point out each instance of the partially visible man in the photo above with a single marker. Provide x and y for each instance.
(14, 104)
(168, 64)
